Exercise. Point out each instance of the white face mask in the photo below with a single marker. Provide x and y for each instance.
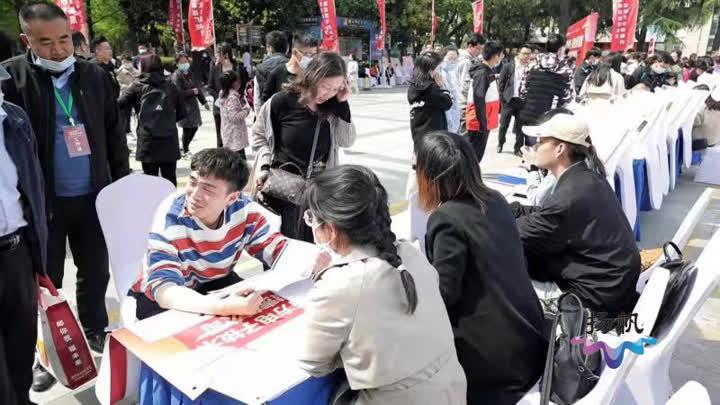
(305, 62)
(184, 67)
(659, 69)
(55, 67)
(142, 51)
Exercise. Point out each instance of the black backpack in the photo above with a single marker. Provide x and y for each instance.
(569, 374)
(154, 107)
(682, 277)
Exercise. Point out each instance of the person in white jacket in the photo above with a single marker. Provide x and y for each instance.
(375, 308)
(353, 74)
(605, 82)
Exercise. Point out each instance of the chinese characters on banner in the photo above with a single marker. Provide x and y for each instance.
(175, 20)
(76, 14)
(380, 40)
(72, 351)
(581, 37)
(328, 26)
(625, 14)
(201, 24)
(478, 16)
(222, 331)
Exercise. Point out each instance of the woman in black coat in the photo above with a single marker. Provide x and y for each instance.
(428, 101)
(159, 107)
(473, 243)
(191, 92)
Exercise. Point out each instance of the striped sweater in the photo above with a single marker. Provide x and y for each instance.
(183, 251)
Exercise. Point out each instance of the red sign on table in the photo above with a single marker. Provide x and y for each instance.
(175, 20)
(201, 24)
(478, 16)
(328, 26)
(222, 331)
(625, 15)
(380, 40)
(581, 37)
(76, 14)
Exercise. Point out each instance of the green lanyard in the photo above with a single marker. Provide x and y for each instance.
(66, 108)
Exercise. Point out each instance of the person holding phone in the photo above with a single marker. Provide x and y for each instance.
(197, 237)
(301, 129)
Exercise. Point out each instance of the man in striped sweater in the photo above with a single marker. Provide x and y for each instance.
(197, 238)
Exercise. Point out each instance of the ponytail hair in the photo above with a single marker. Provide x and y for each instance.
(227, 80)
(352, 199)
(588, 154)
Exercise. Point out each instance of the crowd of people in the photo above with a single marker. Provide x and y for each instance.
(479, 294)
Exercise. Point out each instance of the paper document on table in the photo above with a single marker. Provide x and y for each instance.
(165, 325)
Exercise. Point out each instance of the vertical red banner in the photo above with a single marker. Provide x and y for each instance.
(328, 26)
(380, 40)
(478, 10)
(625, 15)
(581, 36)
(201, 24)
(175, 20)
(76, 14)
(433, 24)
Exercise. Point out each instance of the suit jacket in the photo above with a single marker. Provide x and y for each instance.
(506, 82)
(495, 313)
(356, 318)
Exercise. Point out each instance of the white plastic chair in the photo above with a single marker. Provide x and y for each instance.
(648, 382)
(647, 309)
(682, 235)
(418, 221)
(691, 393)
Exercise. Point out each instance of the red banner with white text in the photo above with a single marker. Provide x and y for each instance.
(380, 40)
(76, 14)
(478, 11)
(328, 26)
(201, 24)
(175, 20)
(625, 15)
(581, 37)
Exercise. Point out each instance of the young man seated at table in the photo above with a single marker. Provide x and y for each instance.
(579, 239)
(197, 238)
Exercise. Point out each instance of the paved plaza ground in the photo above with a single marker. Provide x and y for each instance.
(381, 117)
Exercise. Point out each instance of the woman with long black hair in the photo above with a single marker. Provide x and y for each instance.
(375, 309)
(473, 243)
(298, 133)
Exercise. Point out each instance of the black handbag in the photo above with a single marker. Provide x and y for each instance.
(569, 374)
(288, 186)
(682, 277)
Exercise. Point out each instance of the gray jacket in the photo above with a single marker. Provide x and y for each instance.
(357, 320)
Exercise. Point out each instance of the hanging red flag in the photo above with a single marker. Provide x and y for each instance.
(201, 24)
(478, 10)
(380, 40)
(581, 37)
(625, 15)
(175, 20)
(328, 26)
(76, 14)
(433, 24)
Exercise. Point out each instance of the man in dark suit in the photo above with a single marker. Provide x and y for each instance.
(509, 88)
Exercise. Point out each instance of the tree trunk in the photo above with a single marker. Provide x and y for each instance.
(564, 16)
(89, 20)
(640, 47)
(526, 34)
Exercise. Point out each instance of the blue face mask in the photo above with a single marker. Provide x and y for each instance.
(184, 67)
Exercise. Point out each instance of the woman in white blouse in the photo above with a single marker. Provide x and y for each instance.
(605, 82)
(375, 309)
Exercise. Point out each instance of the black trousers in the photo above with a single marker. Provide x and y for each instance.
(293, 225)
(217, 130)
(187, 137)
(166, 170)
(509, 110)
(18, 331)
(478, 140)
(75, 219)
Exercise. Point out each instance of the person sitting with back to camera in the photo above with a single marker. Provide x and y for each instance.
(197, 238)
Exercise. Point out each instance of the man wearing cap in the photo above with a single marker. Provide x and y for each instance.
(23, 249)
(579, 239)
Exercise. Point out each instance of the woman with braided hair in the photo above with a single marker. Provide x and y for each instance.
(376, 309)
(473, 243)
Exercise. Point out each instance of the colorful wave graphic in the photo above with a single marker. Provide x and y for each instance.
(613, 355)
